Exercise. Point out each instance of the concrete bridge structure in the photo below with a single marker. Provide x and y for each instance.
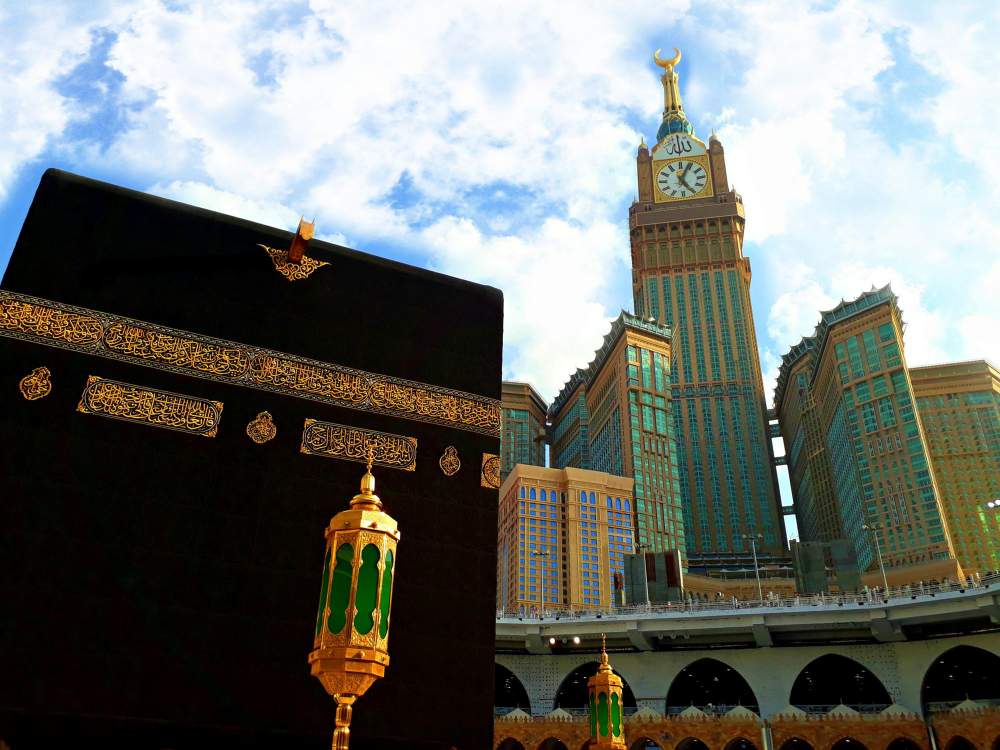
(816, 671)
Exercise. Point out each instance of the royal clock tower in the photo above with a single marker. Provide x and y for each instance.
(689, 272)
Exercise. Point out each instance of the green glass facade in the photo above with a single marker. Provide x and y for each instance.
(522, 437)
(617, 416)
(874, 448)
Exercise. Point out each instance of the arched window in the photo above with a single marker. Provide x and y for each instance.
(710, 683)
(903, 743)
(522, 493)
(510, 744)
(796, 743)
(610, 504)
(833, 679)
(959, 673)
(508, 691)
(740, 743)
(593, 498)
(645, 743)
(691, 743)
(572, 693)
(531, 494)
(544, 495)
(848, 743)
(618, 503)
(627, 505)
(959, 743)
(552, 744)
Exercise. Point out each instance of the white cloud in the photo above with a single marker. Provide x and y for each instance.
(41, 44)
(497, 143)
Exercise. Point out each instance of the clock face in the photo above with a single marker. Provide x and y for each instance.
(681, 179)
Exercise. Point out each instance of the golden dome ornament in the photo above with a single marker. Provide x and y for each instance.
(350, 647)
(261, 428)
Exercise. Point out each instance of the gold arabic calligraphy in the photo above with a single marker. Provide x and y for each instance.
(353, 443)
(131, 403)
(115, 337)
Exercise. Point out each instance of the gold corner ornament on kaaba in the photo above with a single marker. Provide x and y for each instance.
(36, 385)
(155, 408)
(449, 462)
(293, 263)
(261, 428)
(351, 638)
(490, 471)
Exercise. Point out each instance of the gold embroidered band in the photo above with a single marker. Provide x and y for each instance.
(353, 443)
(78, 329)
(132, 403)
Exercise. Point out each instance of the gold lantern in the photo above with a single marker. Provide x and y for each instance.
(350, 648)
(604, 698)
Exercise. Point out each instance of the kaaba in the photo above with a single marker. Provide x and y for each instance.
(185, 402)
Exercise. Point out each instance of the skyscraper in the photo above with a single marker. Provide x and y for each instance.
(522, 434)
(616, 417)
(857, 453)
(959, 407)
(563, 534)
(689, 273)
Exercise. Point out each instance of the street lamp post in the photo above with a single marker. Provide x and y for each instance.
(640, 549)
(541, 589)
(752, 538)
(873, 528)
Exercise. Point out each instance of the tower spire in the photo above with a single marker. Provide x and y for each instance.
(674, 119)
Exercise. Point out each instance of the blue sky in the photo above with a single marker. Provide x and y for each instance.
(498, 143)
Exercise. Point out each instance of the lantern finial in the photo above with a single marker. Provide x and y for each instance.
(367, 499)
(605, 666)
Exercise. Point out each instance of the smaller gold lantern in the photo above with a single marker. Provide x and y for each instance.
(604, 697)
(350, 648)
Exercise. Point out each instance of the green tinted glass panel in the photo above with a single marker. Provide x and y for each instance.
(616, 716)
(384, 599)
(365, 598)
(593, 717)
(602, 714)
(340, 589)
(323, 591)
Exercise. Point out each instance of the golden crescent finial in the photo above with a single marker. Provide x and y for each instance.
(667, 64)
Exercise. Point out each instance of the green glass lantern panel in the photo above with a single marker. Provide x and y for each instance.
(385, 597)
(366, 597)
(602, 714)
(593, 717)
(340, 589)
(323, 591)
(616, 716)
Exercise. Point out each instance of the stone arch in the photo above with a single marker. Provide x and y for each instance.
(645, 743)
(572, 692)
(958, 742)
(740, 743)
(848, 743)
(831, 679)
(708, 681)
(961, 672)
(795, 743)
(552, 743)
(691, 743)
(510, 744)
(903, 743)
(508, 690)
